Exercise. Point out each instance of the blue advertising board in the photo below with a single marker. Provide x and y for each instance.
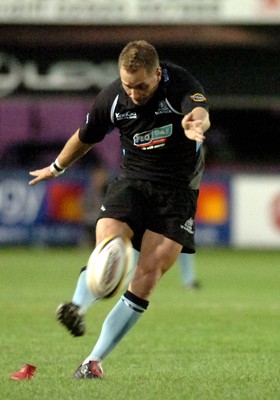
(51, 213)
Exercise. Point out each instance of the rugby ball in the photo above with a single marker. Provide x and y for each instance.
(110, 267)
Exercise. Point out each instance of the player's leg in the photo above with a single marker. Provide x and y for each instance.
(157, 255)
(187, 266)
(71, 314)
(83, 297)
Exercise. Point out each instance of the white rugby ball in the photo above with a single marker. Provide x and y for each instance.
(110, 267)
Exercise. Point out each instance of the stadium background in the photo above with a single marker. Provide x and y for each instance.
(56, 55)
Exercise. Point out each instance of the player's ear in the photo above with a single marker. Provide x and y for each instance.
(159, 73)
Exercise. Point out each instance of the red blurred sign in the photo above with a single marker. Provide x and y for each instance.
(64, 201)
(269, 8)
(271, 3)
(212, 203)
(213, 213)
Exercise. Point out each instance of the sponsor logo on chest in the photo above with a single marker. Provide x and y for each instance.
(152, 139)
(126, 115)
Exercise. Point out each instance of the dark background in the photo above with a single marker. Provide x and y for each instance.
(237, 65)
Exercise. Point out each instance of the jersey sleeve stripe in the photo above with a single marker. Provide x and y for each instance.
(173, 109)
(113, 109)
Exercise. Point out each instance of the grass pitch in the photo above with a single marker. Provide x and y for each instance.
(220, 342)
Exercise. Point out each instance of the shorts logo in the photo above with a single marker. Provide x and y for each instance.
(152, 139)
(198, 98)
(188, 226)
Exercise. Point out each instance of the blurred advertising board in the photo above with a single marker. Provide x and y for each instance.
(241, 210)
(51, 213)
(142, 12)
(256, 211)
(213, 212)
(47, 214)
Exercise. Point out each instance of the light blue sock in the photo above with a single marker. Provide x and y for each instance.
(118, 323)
(82, 295)
(187, 267)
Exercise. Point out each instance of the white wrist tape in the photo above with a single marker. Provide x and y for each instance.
(56, 168)
(58, 165)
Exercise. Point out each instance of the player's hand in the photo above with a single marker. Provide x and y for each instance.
(193, 128)
(41, 175)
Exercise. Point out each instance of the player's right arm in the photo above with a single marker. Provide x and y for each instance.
(72, 151)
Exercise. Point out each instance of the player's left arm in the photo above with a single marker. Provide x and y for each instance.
(196, 123)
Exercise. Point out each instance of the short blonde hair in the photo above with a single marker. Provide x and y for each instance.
(139, 54)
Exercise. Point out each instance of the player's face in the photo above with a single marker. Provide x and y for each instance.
(140, 85)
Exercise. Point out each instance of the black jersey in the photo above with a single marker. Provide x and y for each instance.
(154, 144)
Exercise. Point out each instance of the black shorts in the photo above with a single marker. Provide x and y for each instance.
(151, 205)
